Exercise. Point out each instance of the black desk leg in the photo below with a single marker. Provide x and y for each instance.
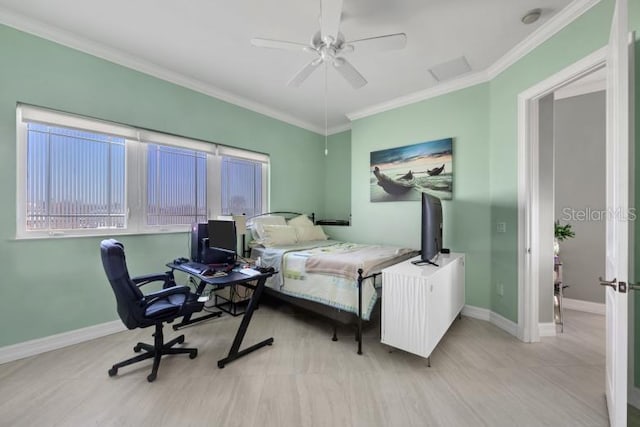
(187, 320)
(234, 353)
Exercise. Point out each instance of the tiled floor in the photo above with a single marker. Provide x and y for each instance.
(479, 376)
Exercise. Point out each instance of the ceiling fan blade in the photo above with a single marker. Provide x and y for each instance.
(350, 74)
(306, 71)
(387, 42)
(278, 44)
(330, 13)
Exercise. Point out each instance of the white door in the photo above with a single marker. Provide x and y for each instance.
(617, 215)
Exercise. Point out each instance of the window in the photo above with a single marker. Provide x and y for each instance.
(176, 185)
(75, 179)
(241, 186)
(81, 176)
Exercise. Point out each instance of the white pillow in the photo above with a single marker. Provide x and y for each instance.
(306, 234)
(274, 235)
(256, 225)
(301, 221)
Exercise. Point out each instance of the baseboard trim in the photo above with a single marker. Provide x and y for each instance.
(492, 317)
(476, 312)
(504, 324)
(586, 306)
(547, 329)
(53, 342)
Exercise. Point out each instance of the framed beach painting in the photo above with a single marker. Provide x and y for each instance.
(403, 173)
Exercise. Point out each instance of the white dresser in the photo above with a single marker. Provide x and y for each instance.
(419, 303)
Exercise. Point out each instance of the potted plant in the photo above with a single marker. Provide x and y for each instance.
(561, 233)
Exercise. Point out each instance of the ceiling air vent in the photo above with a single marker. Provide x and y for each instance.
(450, 69)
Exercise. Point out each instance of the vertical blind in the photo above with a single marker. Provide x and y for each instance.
(241, 186)
(176, 185)
(81, 174)
(75, 179)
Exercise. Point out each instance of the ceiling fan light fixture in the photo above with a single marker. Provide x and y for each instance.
(329, 43)
(531, 16)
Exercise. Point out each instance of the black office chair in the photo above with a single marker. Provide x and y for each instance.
(140, 311)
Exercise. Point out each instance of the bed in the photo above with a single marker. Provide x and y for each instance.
(338, 280)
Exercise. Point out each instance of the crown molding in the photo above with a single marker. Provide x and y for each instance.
(339, 128)
(73, 41)
(539, 36)
(432, 92)
(60, 36)
(543, 33)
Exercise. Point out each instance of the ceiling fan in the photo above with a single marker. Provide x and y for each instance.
(329, 45)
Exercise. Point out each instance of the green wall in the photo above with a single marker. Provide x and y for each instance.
(56, 285)
(462, 115)
(483, 121)
(492, 256)
(41, 283)
(337, 201)
(585, 35)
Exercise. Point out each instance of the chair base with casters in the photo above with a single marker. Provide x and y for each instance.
(155, 351)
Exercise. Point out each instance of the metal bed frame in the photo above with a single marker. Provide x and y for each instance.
(328, 309)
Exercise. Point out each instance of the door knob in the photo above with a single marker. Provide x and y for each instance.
(611, 283)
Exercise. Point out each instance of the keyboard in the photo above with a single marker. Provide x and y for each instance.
(194, 267)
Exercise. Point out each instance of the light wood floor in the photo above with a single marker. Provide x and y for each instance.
(480, 376)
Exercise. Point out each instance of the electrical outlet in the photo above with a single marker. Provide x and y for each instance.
(501, 227)
(500, 289)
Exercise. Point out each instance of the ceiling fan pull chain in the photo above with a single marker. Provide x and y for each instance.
(326, 120)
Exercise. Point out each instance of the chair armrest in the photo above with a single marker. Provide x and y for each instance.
(162, 293)
(150, 278)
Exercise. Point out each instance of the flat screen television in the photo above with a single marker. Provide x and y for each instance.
(431, 230)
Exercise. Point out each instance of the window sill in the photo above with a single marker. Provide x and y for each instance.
(106, 233)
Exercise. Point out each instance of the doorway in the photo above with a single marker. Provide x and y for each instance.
(532, 253)
(572, 190)
(535, 253)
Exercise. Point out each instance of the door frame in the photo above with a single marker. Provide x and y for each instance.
(633, 395)
(529, 250)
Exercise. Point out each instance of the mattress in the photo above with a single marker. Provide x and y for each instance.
(325, 272)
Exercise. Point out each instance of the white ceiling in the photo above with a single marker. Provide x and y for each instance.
(204, 44)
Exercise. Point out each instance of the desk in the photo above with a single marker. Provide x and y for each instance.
(233, 278)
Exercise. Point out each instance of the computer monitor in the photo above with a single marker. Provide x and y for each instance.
(222, 242)
(222, 234)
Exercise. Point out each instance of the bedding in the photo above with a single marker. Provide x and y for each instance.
(325, 271)
(310, 233)
(278, 235)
